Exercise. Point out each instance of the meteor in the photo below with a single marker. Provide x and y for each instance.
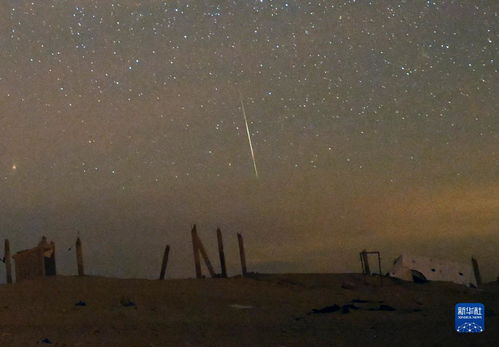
(249, 135)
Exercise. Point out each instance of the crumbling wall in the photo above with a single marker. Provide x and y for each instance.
(29, 264)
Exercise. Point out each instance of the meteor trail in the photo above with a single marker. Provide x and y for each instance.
(249, 135)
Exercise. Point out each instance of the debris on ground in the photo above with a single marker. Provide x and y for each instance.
(348, 285)
(327, 309)
(241, 307)
(346, 308)
(126, 302)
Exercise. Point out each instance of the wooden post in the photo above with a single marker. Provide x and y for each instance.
(242, 254)
(164, 263)
(205, 257)
(221, 253)
(51, 264)
(476, 270)
(197, 262)
(79, 258)
(367, 270)
(8, 264)
(380, 273)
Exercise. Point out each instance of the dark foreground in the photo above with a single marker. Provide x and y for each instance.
(267, 310)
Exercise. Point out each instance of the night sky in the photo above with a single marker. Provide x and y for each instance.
(374, 125)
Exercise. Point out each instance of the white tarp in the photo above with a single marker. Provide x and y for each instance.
(406, 267)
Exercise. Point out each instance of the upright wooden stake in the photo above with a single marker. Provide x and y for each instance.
(197, 262)
(79, 258)
(242, 254)
(221, 253)
(380, 272)
(205, 257)
(476, 270)
(164, 263)
(8, 265)
(51, 269)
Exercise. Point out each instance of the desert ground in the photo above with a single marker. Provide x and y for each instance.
(262, 310)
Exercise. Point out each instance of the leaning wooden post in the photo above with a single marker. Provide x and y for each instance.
(203, 253)
(241, 254)
(79, 258)
(8, 265)
(164, 263)
(195, 249)
(367, 270)
(476, 271)
(221, 253)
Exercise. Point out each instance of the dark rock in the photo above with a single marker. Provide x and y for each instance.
(348, 285)
(327, 309)
(382, 308)
(126, 302)
(385, 308)
(346, 308)
(360, 301)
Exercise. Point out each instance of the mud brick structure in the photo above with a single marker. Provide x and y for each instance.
(35, 262)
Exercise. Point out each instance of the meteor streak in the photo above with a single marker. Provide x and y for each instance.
(249, 135)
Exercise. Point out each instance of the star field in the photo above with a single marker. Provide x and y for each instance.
(122, 120)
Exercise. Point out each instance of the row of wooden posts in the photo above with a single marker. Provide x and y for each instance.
(198, 249)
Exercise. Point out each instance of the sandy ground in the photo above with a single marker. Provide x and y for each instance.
(271, 310)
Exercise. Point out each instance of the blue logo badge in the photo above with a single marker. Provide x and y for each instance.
(470, 318)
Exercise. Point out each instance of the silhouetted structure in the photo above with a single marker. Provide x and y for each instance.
(364, 260)
(164, 264)
(8, 266)
(476, 271)
(199, 249)
(221, 254)
(79, 257)
(242, 255)
(36, 262)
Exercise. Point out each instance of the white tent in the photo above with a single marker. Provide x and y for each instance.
(414, 268)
